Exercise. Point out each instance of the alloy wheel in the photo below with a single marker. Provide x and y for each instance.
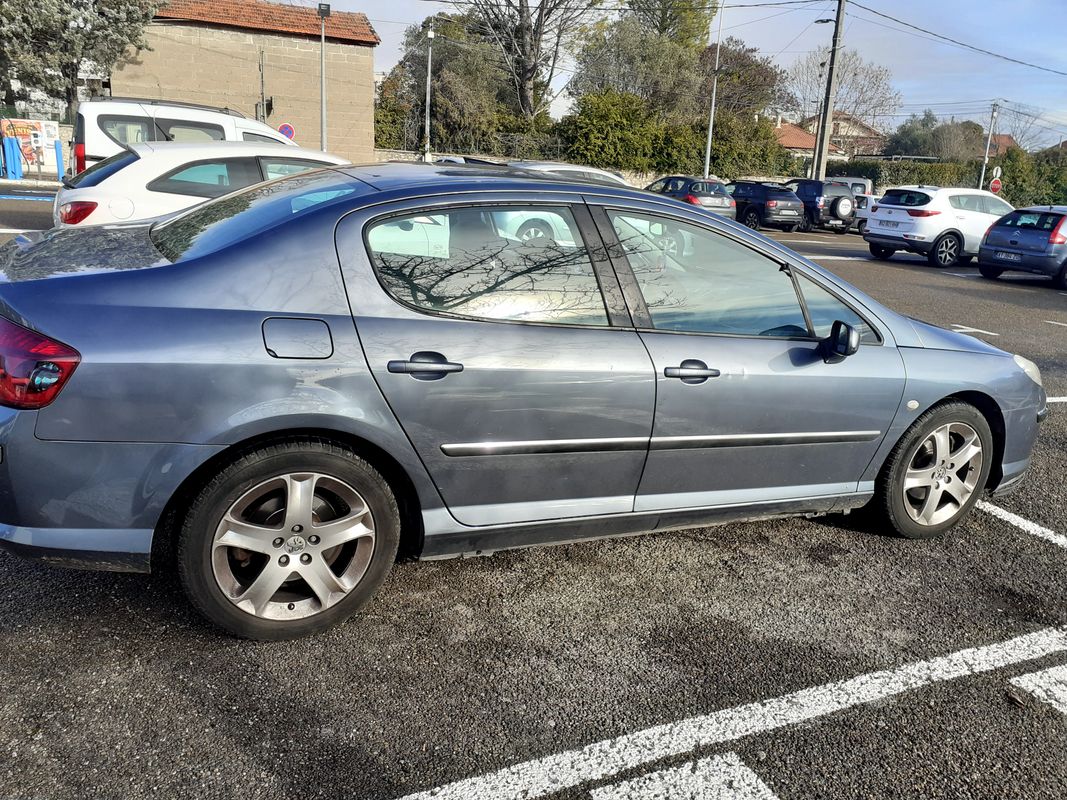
(948, 251)
(293, 546)
(942, 473)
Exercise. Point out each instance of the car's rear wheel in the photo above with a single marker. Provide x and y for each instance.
(751, 219)
(806, 224)
(945, 252)
(937, 471)
(288, 540)
(989, 271)
(861, 227)
(535, 230)
(881, 253)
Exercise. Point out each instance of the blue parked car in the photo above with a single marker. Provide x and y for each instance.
(278, 391)
(1027, 240)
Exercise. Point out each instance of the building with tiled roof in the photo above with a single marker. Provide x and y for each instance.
(800, 142)
(209, 52)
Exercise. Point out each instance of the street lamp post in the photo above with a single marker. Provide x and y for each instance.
(324, 12)
(429, 61)
(714, 93)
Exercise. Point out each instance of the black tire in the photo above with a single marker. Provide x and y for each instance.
(861, 227)
(197, 535)
(946, 251)
(536, 230)
(806, 224)
(752, 219)
(1060, 280)
(963, 260)
(881, 253)
(842, 230)
(888, 506)
(989, 271)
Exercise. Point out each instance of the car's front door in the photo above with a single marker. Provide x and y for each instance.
(510, 363)
(747, 409)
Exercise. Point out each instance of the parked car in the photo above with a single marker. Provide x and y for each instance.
(706, 193)
(158, 178)
(105, 126)
(864, 204)
(1027, 240)
(760, 205)
(572, 172)
(826, 204)
(857, 185)
(278, 390)
(945, 225)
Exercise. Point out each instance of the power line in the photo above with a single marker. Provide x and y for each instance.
(958, 43)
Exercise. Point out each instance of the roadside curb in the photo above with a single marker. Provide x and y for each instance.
(28, 183)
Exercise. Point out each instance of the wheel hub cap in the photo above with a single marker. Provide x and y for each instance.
(295, 544)
(943, 473)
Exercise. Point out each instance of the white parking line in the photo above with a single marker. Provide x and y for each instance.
(1053, 322)
(961, 275)
(723, 777)
(14, 230)
(839, 258)
(965, 329)
(1056, 399)
(1048, 686)
(544, 776)
(1024, 525)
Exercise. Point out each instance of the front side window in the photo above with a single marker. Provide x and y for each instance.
(825, 309)
(209, 178)
(698, 281)
(992, 205)
(515, 263)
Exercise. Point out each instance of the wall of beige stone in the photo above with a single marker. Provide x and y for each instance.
(220, 67)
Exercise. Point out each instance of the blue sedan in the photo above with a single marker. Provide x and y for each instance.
(279, 391)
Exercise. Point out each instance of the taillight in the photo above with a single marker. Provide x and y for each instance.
(987, 232)
(691, 198)
(33, 368)
(79, 158)
(922, 212)
(820, 201)
(1058, 236)
(732, 202)
(73, 213)
(772, 204)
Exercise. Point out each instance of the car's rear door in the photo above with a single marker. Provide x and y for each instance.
(747, 409)
(511, 365)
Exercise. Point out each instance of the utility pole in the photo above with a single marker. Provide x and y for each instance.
(429, 61)
(261, 111)
(826, 119)
(988, 141)
(324, 12)
(714, 93)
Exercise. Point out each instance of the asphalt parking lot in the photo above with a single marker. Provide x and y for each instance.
(786, 659)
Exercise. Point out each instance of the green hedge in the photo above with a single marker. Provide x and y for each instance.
(887, 174)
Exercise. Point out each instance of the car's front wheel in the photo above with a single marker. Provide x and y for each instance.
(937, 471)
(288, 540)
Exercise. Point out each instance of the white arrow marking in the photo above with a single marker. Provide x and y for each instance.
(1022, 524)
(965, 329)
(723, 777)
(1048, 686)
(595, 762)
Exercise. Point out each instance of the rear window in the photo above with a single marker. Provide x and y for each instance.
(219, 223)
(904, 197)
(781, 194)
(101, 170)
(1030, 220)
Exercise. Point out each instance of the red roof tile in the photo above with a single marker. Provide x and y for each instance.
(257, 15)
(796, 138)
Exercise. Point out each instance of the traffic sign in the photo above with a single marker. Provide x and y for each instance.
(287, 130)
(995, 185)
(997, 172)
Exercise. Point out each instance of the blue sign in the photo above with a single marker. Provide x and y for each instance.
(287, 130)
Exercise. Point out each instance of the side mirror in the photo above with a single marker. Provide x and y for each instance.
(843, 341)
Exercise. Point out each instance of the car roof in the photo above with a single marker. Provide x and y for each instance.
(1045, 209)
(196, 150)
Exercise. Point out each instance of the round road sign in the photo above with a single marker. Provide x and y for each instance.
(287, 130)
(995, 185)
(997, 172)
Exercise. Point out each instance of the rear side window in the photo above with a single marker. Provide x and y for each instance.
(220, 223)
(967, 202)
(276, 167)
(209, 178)
(992, 205)
(904, 197)
(248, 136)
(102, 170)
(185, 131)
(657, 186)
(1030, 220)
(126, 130)
(498, 263)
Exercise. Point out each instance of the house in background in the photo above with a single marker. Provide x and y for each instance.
(851, 134)
(801, 143)
(1001, 143)
(208, 51)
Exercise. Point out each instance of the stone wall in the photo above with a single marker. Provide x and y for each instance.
(216, 66)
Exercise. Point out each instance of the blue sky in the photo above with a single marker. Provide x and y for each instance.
(927, 73)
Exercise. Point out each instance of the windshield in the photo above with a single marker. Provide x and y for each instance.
(101, 171)
(234, 217)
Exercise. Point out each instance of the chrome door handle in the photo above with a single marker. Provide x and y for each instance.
(691, 371)
(425, 365)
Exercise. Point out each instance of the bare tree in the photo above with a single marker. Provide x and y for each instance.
(864, 89)
(530, 35)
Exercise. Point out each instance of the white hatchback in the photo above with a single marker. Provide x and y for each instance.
(153, 179)
(945, 225)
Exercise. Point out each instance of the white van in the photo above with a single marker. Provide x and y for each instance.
(106, 125)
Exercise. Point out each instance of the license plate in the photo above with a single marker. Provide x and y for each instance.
(888, 223)
(789, 212)
(1009, 256)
